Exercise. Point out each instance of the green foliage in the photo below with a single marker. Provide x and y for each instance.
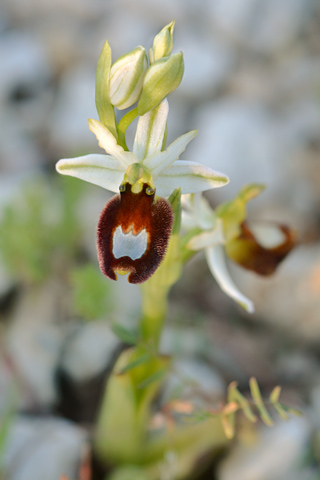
(90, 292)
(127, 336)
(39, 230)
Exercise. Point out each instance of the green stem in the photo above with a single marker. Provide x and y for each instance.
(154, 309)
(124, 124)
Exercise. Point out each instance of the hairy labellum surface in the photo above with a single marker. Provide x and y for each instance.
(133, 234)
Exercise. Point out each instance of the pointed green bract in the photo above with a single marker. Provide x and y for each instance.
(104, 108)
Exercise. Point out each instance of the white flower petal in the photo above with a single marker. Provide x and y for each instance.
(150, 131)
(217, 264)
(207, 239)
(101, 170)
(204, 213)
(162, 160)
(188, 220)
(190, 176)
(108, 142)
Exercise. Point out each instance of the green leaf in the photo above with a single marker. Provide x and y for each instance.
(126, 335)
(275, 394)
(152, 378)
(135, 363)
(175, 201)
(256, 395)
(278, 408)
(243, 402)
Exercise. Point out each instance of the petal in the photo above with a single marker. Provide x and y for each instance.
(204, 213)
(207, 239)
(190, 176)
(109, 143)
(101, 170)
(262, 247)
(150, 131)
(216, 262)
(133, 234)
(162, 160)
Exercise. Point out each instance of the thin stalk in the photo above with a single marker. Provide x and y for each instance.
(154, 309)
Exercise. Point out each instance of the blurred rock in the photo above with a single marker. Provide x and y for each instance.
(186, 341)
(89, 351)
(18, 151)
(24, 65)
(208, 63)
(45, 448)
(289, 300)
(34, 342)
(276, 453)
(261, 25)
(195, 380)
(75, 103)
(242, 139)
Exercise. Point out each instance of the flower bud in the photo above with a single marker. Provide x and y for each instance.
(126, 78)
(162, 78)
(162, 43)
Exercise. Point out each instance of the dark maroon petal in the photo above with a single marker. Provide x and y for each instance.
(133, 234)
(250, 254)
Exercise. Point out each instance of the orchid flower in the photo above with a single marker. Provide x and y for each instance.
(258, 247)
(135, 226)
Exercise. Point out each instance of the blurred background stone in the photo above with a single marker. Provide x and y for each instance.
(261, 459)
(44, 448)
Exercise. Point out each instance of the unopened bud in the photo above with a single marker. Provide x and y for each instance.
(161, 78)
(162, 43)
(126, 78)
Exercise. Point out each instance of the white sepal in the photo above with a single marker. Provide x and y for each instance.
(101, 170)
(109, 143)
(190, 176)
(162, 160)
(217, 264)
(207, 239)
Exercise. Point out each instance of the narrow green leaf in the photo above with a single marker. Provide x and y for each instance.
(153, 378)
(256, 395)
(244, 405)
(126, 335)
(175, 201)
(135, 363)
(228, 423)
(282, 413)
(275, 394)
(290, 410)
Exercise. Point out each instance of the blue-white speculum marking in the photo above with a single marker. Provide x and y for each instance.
(127, 244)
